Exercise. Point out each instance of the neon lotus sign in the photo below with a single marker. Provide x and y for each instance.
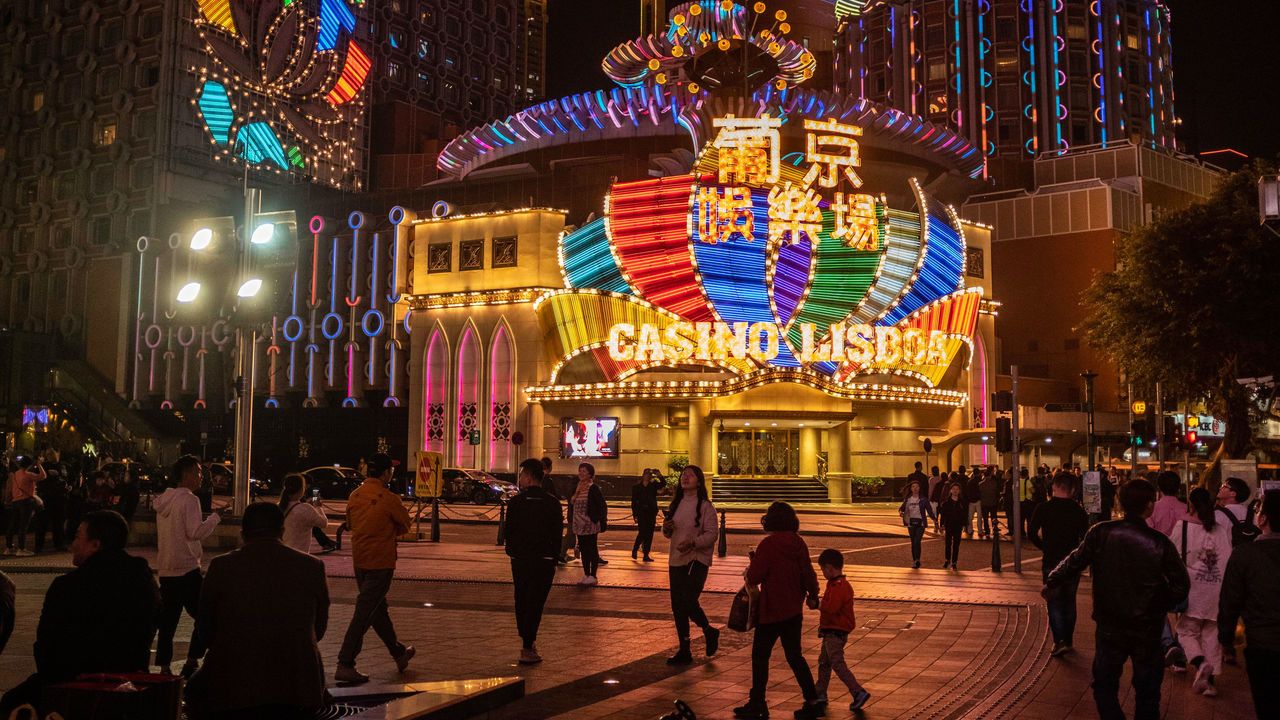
(768, 256)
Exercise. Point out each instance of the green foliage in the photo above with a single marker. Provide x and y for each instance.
(678, 463)
(1192, 304)
(866, 484)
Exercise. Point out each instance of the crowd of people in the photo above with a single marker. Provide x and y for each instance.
(1171, 580)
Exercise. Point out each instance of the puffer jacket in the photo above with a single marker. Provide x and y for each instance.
(1138, 576)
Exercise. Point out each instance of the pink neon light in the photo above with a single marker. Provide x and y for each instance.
(469, 358)
(501, 371)
(435, 391)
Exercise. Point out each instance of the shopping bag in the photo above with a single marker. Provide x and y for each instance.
(743, 611)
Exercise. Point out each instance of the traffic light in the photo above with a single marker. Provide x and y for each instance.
(1002, 401)
(1137, 432)
(1149, 424)
(1192, 437)
(1004, 435)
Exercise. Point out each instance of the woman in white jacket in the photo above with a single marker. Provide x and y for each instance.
(1203, 539)
(301, 519)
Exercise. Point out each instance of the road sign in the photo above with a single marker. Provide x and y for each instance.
(1064, 407)
(1092, 493)
(430, 467)
(474, 438)
(1139, 407)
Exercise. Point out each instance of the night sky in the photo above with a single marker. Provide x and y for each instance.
(1226, 64)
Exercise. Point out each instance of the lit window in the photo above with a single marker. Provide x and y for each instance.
(1131, 41)
(424, 48)
(37, 100)
(394, 71)
(396, 39)
(104, 132)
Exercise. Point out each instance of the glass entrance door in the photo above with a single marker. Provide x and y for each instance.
(759, 452)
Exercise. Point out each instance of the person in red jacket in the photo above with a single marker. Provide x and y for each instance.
(836, 622)
(781, 569)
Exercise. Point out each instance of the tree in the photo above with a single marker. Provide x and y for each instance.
(1192, 303)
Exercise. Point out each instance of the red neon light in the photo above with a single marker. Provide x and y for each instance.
(649, 229)
(354, 71)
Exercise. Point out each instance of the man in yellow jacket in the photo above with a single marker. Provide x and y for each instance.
(376, 517)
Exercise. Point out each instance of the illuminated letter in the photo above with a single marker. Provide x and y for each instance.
(750, 149)
(937, 348)
(807, 350)
(770, 350)
(679, 346)
(703, 332)
(915, 346)
(649, 346)
(861, 349)
(618, 334)
(888, 345)
(728, 343)
(837, 341)
(840, 151)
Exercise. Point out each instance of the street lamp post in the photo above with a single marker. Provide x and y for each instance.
(1089, 377)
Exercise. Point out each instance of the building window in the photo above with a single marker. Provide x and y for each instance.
(100, 233)
(68, 136)
(149, 27)
(424, 48)
(37, 100)
(396, 38)
(1131, 41)
(104, 131)
(424, 80)
(439, 258)
(65, 186)
(938, 71)
(450, 92)
(504, 252)
(471, 255)
(110, 35)
(451, 60)
(499, 80)
(395, 71)
(148, 75)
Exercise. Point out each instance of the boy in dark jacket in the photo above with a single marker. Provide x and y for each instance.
(952, 514)
(534, 523)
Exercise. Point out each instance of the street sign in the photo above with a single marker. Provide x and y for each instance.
(430, 467)
(1064, 407)
(1139, 407)
(1092, 492)
(474, 438)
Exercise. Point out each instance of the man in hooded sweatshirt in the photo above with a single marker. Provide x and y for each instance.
(179, 530)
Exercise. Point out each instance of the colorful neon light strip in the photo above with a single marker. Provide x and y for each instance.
(355, 69)
(587, 260)
(218, 12)
(215, 109)
(335, 17)
(941, 271)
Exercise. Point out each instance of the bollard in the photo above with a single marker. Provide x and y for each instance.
(502, 522)
(995, 544)
(435, 519)
(724, 541)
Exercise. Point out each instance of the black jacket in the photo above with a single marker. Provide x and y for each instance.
(1138, 576)
(534, 524)
(1251, 588)
(1057, 527)
(597, 508)
(644, 499)
(952, 514)
(98, 618)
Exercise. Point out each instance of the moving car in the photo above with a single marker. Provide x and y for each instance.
(474, 486)
(334, 482)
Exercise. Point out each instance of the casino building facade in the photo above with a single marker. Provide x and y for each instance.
(782, 292)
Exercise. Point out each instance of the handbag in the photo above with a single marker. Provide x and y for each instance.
(743, 611)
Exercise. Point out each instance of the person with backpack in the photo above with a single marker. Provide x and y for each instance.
(589, 516)
(989, 502)
(690, 525)
(1251, 590)
(1204, 543)
(1233, 496)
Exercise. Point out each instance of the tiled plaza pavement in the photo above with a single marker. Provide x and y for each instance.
(929, 643)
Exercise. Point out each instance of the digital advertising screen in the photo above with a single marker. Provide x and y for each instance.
(589, 438)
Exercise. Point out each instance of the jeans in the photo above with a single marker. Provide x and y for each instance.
(990, 520)
(915, 528)
(20, 513)
(686, 588)
(644, 535)
(1110, 653)
(51, 520)
(831, 659)
(971, 510)
(178, 594)
(589, 548)
(767, 635)
(1263, 667)
(1062, 612)
(532, 578)
(371, 611)
(951, 539)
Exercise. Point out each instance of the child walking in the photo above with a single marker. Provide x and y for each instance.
(952, 513)
(834, 625)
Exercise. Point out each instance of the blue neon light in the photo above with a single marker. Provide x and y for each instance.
(588, 261)
(257, 143)
(215, 107)
(334, 17)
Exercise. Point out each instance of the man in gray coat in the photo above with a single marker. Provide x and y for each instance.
(263, 610)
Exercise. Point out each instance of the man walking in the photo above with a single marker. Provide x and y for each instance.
(1057, 527)
(376, 517)
(644, 510)
(1251, 589)
(179, 531)
(1138, 577)
(264, 608)
(98, 618)
(534, 520)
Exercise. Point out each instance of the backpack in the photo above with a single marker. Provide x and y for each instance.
(1244, 531)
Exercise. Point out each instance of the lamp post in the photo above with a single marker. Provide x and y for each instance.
(1089, 377)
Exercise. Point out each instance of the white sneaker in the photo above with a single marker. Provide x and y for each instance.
(1201, 683)
(1211, 690)
(24, 553)
(587, 580)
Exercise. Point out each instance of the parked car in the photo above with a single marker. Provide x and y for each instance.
(334, 482)
(474, 486)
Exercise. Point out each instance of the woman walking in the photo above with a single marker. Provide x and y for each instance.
(781, 568)
(588, 515)
(916, 511)
(1203, 539)
(952, 513)
(302, 520)
(644, 510)
(691, 526)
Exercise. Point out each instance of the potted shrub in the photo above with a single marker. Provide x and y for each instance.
(866, 485)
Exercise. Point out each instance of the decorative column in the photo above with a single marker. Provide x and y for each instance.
(535, 434)
(701, 439)
(838, 473)
(809, 452)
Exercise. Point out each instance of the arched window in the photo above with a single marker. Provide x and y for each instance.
(435, 393)
(502, 368)
(470, 363)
